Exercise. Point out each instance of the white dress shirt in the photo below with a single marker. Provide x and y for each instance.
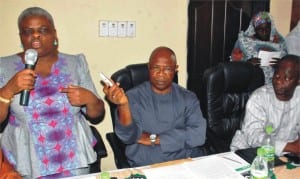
(264, 107)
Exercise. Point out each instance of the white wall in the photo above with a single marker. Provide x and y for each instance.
(281, 13)
(159, 22)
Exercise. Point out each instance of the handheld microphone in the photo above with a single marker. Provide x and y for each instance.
(30, 60)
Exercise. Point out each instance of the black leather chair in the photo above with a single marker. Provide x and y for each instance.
(100, 149)
(128, 77)
(3, 125)
(226, 89)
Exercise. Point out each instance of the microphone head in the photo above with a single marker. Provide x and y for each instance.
(31, 56)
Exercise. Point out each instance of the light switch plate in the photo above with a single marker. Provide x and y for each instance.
(131, 29)
(112, 28)
(103, 28)
(122, 28)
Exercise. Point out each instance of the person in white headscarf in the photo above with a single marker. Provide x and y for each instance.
(260, 35)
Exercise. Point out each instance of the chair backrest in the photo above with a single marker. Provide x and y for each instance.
(227, 88)
(128, 77)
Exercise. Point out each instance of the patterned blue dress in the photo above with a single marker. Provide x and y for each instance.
(48, 136)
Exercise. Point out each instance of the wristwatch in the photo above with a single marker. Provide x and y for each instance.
(152, 138)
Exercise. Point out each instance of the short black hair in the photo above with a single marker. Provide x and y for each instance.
(292, 58)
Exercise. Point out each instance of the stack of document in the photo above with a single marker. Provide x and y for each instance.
(223, 166)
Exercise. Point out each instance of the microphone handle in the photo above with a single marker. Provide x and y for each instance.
(24, 98)
(29, 66)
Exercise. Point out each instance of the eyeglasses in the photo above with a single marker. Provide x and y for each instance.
(164, 69)
(30, 31)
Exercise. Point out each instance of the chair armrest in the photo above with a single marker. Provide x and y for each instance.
(118, 148)
(216, 143)
(99, 147)
(3, 125)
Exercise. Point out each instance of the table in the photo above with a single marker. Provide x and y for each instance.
(281, 172)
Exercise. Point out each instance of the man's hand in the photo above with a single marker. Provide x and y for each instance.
(145, 139)
(293, 147)
(115, 94)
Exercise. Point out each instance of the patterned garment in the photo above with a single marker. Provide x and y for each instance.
(49, 135)
(247, 46)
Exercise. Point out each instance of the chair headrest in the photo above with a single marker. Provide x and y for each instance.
(236, 77)
(242, 76)
(133, 75)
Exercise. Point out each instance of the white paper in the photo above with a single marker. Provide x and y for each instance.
(173, 172)
(235, 162)
(89, 176)
(213, 167)
(267, 57)
(204, 168)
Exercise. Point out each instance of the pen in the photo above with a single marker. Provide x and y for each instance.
(231, 159)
